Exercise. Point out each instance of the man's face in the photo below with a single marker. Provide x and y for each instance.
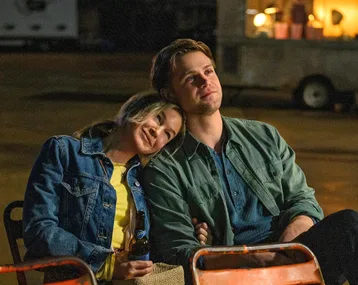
(196, 85)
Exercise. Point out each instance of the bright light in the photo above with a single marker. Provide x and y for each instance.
(260, 20)
(251, 11)
(310, 17)
(271, 10)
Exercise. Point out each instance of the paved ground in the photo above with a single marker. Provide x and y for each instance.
(42, 95)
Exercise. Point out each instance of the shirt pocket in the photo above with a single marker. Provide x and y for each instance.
(270, 172)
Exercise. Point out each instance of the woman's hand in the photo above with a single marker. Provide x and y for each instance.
(124, 269)
(202, 232)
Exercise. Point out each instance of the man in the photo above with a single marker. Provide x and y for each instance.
(238, 176)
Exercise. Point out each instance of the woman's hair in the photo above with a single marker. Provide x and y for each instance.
(163, 63)
(134, 110)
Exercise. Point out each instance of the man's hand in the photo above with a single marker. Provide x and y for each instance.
(298, 225)
(203, 232)
(124, 269)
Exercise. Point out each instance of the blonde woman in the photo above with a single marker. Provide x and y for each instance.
(83, 193)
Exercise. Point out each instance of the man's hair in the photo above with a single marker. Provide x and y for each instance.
(163, 63)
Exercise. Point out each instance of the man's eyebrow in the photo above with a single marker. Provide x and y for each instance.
(193, 71)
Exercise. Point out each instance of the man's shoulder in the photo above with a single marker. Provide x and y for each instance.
(169, 156)
(253, 125)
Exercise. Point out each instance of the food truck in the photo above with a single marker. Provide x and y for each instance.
(307, 47)
(39, 23)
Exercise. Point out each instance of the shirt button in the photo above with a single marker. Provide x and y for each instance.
(137, 183)
(274, 173)
(228, 172)
(235, 193)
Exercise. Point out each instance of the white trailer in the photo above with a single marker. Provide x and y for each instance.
(318, 71)
(38, 22)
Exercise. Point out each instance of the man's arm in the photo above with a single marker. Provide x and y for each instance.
(172, 235)
(300, 205)
(298, 225)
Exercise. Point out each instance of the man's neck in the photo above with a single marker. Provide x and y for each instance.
(207, 128)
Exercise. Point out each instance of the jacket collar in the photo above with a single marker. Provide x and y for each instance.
(191, 144)
(92, 146)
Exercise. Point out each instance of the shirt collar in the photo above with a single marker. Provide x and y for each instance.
(191, 144)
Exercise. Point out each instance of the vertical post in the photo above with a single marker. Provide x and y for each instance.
(230, 26)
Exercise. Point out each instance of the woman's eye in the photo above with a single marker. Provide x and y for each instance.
(190, 78)
(159, 119)
(168, 135)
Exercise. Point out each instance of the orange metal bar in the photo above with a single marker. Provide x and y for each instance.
(301, 273)
(87, 277)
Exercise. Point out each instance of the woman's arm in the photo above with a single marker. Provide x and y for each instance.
(42, 234)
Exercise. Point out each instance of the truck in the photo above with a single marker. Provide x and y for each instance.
(318, 65)
(38, 23)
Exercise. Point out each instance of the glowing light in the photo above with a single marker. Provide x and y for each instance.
(251, 11)
(260, 20)
(311, 17)
(271, 10)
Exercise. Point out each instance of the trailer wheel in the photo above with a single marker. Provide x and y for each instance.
(315, 93)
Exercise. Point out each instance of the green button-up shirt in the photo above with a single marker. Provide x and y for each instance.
(183, 182)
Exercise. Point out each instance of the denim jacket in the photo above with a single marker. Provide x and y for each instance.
(69, 204)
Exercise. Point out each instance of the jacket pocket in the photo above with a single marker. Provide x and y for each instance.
(270, 171)
(78, 203)
(80, 185)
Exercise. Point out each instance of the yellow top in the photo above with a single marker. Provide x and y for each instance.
(121, 218)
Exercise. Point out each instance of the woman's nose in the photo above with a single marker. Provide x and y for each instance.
(153, 132)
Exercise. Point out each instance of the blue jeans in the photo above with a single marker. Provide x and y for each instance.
(334, 241)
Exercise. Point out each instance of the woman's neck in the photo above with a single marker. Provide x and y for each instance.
(116, 149)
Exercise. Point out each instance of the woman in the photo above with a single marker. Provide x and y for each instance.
(83, 194)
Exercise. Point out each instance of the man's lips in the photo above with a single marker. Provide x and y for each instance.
(206, 94)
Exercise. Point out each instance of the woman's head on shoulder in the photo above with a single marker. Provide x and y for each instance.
(150, 122)
(144, 124)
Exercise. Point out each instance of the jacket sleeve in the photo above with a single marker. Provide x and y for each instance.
(172, 235)
(299, 198)
(42, 234)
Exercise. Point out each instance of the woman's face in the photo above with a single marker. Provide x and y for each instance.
(156, 131)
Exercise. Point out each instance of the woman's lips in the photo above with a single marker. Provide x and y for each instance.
(147, 138)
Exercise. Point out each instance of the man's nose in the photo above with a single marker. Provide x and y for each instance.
(203, 80)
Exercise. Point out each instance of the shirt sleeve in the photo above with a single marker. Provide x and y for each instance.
(299, 197)
(172, 235)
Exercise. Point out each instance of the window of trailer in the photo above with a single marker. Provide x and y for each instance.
(302, 19)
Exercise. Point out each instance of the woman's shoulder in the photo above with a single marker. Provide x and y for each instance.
(61, 141)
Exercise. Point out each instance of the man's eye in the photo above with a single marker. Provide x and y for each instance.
(208, 71)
